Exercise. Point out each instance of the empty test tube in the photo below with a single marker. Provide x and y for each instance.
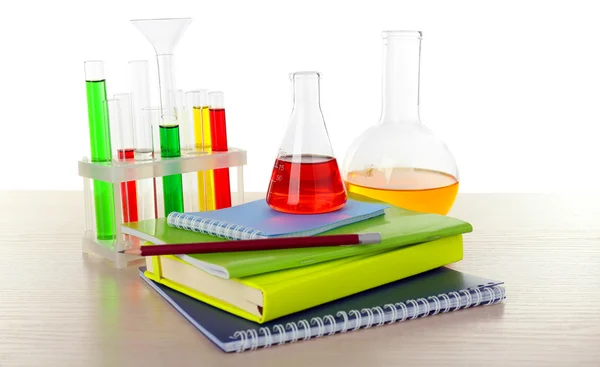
(144, 150)
(140, 99)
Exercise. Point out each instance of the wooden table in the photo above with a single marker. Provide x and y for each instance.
(61, 308)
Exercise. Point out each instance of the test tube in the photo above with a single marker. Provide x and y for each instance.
(172, 184)
(122, 123)
(218, 135)
(170, 147)
(198, 113)
(140, 98)
(143, 139)
(188, 148)
(186, 125)
(100, 146)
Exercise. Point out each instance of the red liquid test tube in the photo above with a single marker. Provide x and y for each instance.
(122, 124)
(218, 134)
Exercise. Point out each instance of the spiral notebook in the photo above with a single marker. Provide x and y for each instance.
(256, 219)
(398, 227)
(427, 294)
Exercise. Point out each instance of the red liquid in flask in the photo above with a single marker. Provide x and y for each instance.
(128, 191)
(306, 184)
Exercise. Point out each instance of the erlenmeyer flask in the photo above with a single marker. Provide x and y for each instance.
(399, 160)
(306, 177)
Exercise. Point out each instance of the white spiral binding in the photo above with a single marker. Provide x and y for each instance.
(370, 315)
(426, 305)
(306, 327)
(281, 330)
(415, 306)
(367, 317)
(394, 312)
(345, 316)
(457, 298)
(447, 301)
(381, 315)
(268, 339)
(321, 324)
(491, 295)
(402, 305)
(358, 316)
(193, 222)
(438, 304)
(331, 320)
(294, 327)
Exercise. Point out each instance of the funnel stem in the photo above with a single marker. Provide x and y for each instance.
(166, 85)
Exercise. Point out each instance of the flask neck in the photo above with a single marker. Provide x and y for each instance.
(401, 67)
(306, 93)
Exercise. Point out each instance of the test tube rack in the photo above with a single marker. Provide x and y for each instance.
(117, 172)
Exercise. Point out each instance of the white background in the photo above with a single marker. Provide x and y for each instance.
(512, 87)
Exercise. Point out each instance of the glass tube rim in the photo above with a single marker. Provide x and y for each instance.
(305, 74)
(197, 91)
(402, 34)
(158, 19)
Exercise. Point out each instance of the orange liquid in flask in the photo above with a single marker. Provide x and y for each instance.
(306, 184)
(413, 189)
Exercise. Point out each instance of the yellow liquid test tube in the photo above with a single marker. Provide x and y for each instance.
(206, 188)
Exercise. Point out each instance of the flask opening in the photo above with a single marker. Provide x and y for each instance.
(402, 34)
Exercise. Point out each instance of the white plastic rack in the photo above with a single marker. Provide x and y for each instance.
(117, 172)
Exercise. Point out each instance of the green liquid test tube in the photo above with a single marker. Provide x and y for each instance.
(172, 185)
(100, 147)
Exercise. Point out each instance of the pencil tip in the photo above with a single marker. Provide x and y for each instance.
(122, 251)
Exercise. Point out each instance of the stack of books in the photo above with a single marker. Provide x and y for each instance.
(253, 299)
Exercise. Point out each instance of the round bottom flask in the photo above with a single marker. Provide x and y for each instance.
(399, 160)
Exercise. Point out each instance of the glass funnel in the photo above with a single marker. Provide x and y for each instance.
(164, 34)
(306, 178)
(399, 160)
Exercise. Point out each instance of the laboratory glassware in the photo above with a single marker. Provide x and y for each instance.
(164, 34)
(151, 117)
(399, 160)
(100, 146)
(122, 124)
(198, 122)
(306, 178)
(218, 135)
(139, 79)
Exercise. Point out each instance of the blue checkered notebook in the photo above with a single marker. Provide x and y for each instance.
(427, 294)
(257, 220)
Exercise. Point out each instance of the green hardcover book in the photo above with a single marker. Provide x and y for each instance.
(398, 227)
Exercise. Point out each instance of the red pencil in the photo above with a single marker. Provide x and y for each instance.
(258, 244)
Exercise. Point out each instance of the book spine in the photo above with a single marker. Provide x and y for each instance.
(367, 317)
(212, 227)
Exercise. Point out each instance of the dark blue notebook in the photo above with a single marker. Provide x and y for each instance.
(437, 291)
